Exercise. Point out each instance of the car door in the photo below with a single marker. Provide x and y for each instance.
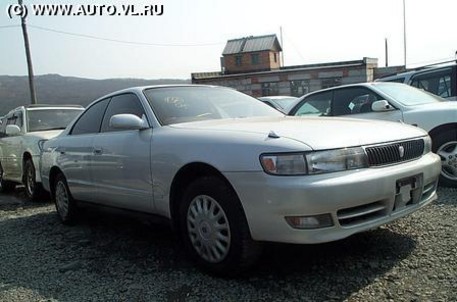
(357, 101)
(12, 148)
(121, 162)
(76, 151)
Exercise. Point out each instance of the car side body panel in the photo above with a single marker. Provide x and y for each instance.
(121, 170)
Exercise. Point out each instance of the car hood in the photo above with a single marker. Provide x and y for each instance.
(44, 134)
(318, 133)
(438, 106)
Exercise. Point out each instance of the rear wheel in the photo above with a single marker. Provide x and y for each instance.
(5, 186)
(33, 189)
(445, 145)
(65, 204)
(214, 228)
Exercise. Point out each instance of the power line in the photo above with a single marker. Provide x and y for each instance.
(9, 26)
(120, 41)
(294, 47)
(113, 40)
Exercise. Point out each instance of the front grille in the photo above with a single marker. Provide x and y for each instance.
(361, 214)
(394, 153)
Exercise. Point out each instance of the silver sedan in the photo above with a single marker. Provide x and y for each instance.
(229, 172)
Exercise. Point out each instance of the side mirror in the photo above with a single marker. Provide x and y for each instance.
(127, 122)
(12, 130)
(382, 105)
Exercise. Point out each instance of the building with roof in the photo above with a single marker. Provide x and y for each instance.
(247, 54)
(252, 65)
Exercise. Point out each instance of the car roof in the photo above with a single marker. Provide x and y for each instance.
(43, 106)
(141, 88)
(54, 106)
(424, 69)
(276, 97)
(366, 84)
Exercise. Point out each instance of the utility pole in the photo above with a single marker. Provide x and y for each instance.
(282, 46)
(29, 58)
(387, 52)
(404, 30)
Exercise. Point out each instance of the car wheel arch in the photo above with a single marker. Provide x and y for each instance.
(444, 142)
(52, 177)
(442, 128)
(25, 157)
(186, 175)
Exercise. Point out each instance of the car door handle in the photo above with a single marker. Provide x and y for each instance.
(98, 151)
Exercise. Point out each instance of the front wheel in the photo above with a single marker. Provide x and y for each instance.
(445, 145)
(214, 228)
(65, 204)
(33, 190)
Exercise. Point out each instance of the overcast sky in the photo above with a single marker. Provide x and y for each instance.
(193, 33)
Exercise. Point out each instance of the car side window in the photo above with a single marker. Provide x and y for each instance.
(438, 83)
(353, 100)
(91, 120)
(124, 103)
(316, 104)
(15, 119)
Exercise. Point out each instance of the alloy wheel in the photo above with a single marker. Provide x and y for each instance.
(448, 154)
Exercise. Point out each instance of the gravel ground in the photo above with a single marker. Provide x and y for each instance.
(113, 258)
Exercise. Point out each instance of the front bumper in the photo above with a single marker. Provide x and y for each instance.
(357, 200)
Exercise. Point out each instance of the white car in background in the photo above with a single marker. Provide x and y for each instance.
(22, 133)
(281, 103)
(439, 79)
(229, 172)
(393, 102)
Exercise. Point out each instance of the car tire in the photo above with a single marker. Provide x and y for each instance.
(214, 228)
(33, 190)
(65, 204)
(5, 186)
(445, 145)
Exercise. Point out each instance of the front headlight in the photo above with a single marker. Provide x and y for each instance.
(336, 160)
(427, 144)
(284, 164)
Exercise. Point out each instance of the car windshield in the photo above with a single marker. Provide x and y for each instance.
(174, 105)
(407, 95)
(50, 119)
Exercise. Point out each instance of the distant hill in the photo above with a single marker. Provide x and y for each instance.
(56, 89)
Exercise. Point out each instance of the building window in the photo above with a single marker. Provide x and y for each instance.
(270, 88)
(255, 59)
(299, 87)
(275, 55)
(238, 60)
(330, 82)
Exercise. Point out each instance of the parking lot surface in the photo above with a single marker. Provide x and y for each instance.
(109, 257)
